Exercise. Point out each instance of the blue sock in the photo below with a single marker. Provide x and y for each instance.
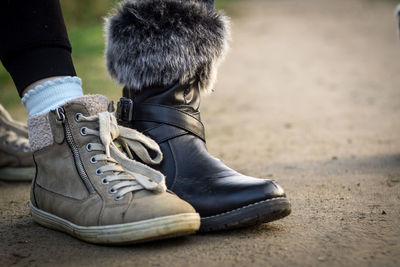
(52, 94)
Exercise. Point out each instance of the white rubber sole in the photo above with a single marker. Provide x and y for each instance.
(17, 174)
(128, 233)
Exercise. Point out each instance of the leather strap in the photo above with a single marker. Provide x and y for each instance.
(169, 115)
(164, 132)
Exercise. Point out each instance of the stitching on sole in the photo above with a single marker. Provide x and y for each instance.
(244, 207)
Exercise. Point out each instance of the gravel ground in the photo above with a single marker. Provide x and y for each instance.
(309, 95)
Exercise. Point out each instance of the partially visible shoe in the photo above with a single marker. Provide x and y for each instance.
(86, 187)
(16, 163)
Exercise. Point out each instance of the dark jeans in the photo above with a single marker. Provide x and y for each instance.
(34, 41)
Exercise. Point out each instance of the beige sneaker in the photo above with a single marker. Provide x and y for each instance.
(85, 186)
(16, 163)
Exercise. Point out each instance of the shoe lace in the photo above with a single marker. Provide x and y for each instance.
(12, 138)
(128, 174)
(9, 123)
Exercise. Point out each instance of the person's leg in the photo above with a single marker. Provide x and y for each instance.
(35, 43)
(84, 185)
(36, 51)
(166, 53)
(34, 48)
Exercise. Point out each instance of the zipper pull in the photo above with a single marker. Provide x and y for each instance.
(60, 114)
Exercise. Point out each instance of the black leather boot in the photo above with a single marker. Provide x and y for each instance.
(223, 197)
(162, 98)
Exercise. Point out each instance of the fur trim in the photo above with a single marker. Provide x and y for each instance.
(40, 134)
(161, 42)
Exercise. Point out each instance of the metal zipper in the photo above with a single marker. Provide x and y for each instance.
(74, 149)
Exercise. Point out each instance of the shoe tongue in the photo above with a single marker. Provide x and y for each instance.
(93, 103)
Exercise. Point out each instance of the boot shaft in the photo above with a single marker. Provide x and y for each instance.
(183, 96)
(163, 113)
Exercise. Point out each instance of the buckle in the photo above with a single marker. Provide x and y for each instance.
(125, 111)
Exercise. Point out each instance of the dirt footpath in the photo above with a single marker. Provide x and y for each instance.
(310, 96)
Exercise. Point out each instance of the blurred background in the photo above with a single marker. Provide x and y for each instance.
(84, 20)
(309, 95)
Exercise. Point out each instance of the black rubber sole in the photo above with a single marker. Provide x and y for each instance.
(261, 212)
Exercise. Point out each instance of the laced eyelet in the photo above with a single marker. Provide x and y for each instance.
(112, 191)
(93, 160)
(83, 131)
(89, 147)
(99, 172)
(5, 142)
(104, 180)
(26, 149)
(117, 198)
(78, 117)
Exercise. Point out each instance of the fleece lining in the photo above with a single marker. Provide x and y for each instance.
(40, 134)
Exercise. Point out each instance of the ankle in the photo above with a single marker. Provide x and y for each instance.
(46, 94)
